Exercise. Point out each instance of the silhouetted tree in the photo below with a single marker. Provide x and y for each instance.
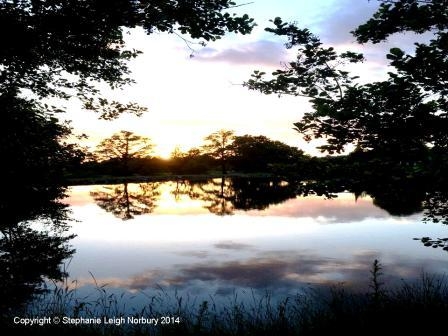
(123, 147)
(260, 154)
(401, 115)
(63, 48)
(219, 146)
(34, 147)
(177, 153)
(85, 39)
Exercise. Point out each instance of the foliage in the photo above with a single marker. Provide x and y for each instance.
(62, 47)
(123, 147)
(192, 162)
(36, 157)
(36, 154)
(219, 146)
(401, 115)
(260, 154)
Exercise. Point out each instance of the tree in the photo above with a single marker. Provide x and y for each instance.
(401, 116)
(177, 153)
(63, 48)
(123, 147)
(259, 153)
(84, 38)
(192, 162)
(34, 147)
(219, 146)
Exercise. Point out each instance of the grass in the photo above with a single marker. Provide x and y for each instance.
(421, 306)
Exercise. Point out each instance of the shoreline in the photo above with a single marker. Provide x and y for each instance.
(160, 178)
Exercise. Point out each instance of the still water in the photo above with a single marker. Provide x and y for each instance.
(221, 237)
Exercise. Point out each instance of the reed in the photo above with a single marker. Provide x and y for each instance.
(421, 306)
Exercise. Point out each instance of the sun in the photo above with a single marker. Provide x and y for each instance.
(167, 139)
(163, 151)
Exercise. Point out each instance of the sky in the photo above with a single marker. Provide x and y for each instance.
(190, 97)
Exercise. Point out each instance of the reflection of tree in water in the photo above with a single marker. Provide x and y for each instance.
(398, 198)
(259, 194)
(399, 189)
(390, 189)
(410, 196)
(28, 256)
(217, 194)
(225, 195)
(126, 201)
(436, 206)
(436, 210)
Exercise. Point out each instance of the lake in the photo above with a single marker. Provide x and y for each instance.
(223, 238)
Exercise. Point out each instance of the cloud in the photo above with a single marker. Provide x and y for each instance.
(334, 29)
(347, 15)
(261, 52)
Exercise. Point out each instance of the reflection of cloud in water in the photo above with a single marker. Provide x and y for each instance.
(195, 254)
(230, 245)
(223, 247)
(342, 209)
(137, 282)
(281, 271)
(277, 271)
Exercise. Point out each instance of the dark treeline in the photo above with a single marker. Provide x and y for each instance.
(126, 154)
(397, 181)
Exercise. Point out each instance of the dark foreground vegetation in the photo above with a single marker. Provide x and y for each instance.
(409, 308)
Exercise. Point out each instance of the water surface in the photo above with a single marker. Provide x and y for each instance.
(221, 237)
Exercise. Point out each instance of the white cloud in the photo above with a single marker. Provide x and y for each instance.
(261, 52)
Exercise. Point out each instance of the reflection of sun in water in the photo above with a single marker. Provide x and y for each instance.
(168, 204)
